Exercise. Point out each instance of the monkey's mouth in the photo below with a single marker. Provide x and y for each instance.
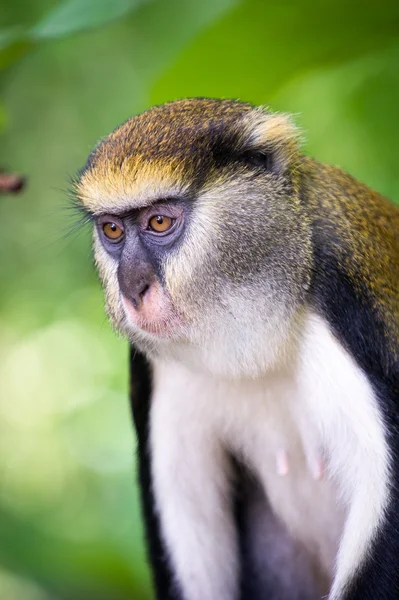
(158, 325)
(159, 328)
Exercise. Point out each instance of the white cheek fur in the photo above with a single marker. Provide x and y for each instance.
(236, 340)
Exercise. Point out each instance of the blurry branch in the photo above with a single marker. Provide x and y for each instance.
(11, 183)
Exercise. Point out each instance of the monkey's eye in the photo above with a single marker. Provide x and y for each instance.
(160, 223)
(112, 231)
(260, 160)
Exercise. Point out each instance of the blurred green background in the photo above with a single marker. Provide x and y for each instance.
(70, 72)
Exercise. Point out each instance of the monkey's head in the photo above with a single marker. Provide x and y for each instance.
(200, 236)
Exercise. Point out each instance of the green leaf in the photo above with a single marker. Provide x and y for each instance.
(14, 43)
(73, 16)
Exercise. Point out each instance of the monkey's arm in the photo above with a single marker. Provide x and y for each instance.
(372, 569)
(140, 397)
(377, 576)
(356, 289)
(185, 485)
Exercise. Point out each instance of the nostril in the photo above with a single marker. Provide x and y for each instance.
(144, 291)
(137, 299)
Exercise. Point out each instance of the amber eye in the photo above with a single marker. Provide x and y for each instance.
(160, 223)
(112, 231)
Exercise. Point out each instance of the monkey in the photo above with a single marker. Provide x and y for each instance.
(259, 292)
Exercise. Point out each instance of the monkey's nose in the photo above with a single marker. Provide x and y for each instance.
(136, 298)
(135, 282)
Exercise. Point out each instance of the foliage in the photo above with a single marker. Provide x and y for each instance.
(71, 71)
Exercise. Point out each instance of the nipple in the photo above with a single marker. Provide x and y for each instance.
(282, 466)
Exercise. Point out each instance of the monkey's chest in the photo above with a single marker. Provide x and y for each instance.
(272, 433)
(313, 441)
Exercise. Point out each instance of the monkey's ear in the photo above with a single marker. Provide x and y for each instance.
(271, 139)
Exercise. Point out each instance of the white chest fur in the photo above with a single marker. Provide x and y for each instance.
(288, 427)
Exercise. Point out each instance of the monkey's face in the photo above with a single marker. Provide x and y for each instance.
(200, 238)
